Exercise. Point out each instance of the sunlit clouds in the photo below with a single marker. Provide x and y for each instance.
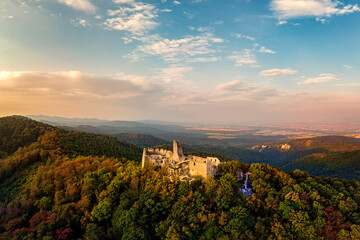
(213, 61)
(320, 9)
(84, 5)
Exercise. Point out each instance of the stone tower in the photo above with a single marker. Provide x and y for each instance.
(178, 154)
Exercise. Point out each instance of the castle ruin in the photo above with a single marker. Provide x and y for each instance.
(186, 167)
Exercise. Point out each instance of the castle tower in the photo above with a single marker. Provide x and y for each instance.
(178, 154)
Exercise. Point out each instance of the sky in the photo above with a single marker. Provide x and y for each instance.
(209, 61)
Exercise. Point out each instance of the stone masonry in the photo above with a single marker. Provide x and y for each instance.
(186, 167)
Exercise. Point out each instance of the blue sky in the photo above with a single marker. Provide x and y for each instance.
(240, 61)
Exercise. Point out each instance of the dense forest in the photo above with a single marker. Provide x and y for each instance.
(75, 185)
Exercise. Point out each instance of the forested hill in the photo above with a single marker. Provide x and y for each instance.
(338, 165)
(18, 131)
(323, 144)
(140, 139)
(75, 185)
(27, 144)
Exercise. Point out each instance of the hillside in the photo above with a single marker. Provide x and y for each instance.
(36, 143)
(18, 131)
(338, 165)
(142, 140)
(76, 185)
(328, 156)
(322, 144)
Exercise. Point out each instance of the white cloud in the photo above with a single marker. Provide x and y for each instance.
(245, 57)
(79, 22)
(175, 50)
(281, 22)
(176, 2)
(243, 36)
(321, 79)
(277, 72)
(287, 9)
(265, 50)
(83, 5)
(166, 10)
(347, 66)
(134, 17)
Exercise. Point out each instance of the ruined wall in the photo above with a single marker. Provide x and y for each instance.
(178, 164)
(198, 166)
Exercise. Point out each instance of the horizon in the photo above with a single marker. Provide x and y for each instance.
(201, 61)
(207, 126)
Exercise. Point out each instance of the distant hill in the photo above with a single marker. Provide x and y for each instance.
(332, 156)
(337, 165)
(110, 127)
(164, 130)
(142, 140)
(326, 143)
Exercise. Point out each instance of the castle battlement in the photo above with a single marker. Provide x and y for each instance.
(180, 165)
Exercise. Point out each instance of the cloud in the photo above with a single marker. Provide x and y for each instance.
(321, 79)
(245, 57)
(347, 66)
(236, 85)
(176, 2)
(72, 83)
(287, 9)
(243, 36)
(242, 90)
(175, 50)
(204, 59)
(134, 17)
(83, 5)
(277, 72)
(79, 22)
(281, 22)
(174, 73)
(265, 50)
(77, 94)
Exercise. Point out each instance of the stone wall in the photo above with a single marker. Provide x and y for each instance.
(180, 165)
